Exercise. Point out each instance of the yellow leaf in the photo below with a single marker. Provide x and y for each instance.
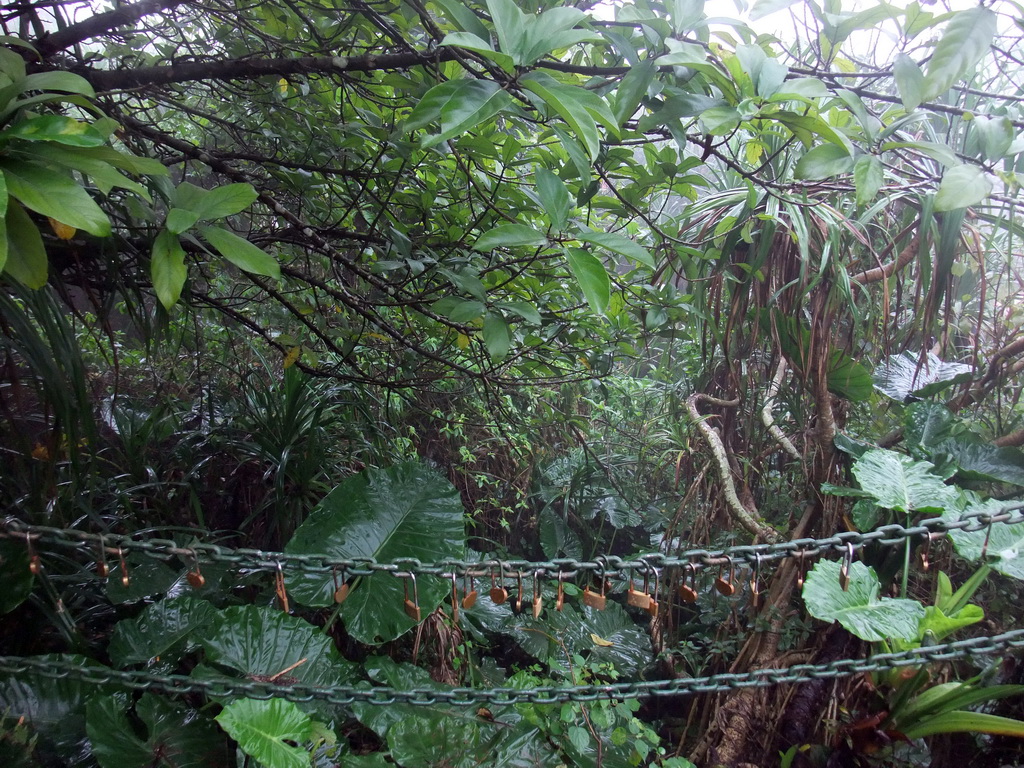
(462, 341)
(600, 641)
(292, 357)
(282, 86)
(62, 230)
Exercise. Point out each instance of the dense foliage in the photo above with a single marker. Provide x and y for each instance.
(509, 278)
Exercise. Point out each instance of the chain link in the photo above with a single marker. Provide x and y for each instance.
(259, 560)
(59, 669)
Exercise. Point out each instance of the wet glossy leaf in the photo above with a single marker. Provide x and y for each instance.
(271, 731)
(859, 609)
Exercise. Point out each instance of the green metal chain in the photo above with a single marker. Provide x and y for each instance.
(254, 559)
(59, 669)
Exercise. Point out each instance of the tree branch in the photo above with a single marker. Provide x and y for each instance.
(97, 25)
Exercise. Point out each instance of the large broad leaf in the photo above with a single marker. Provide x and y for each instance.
(408, 510)
(910, 81)
(847, 378)
(509, 236)
(592, 277)
(618, 244)
(898, 482)
(1005, 550)
(980, 460)
(26, 255)
(166, 629)
(905, 376)
(56, 195)
(961, 187)
(858, 608)
(241, 252)
(55, 128)
(554, 197)
(222, 201)
(459, 106)
(174, 738)
(269, 731)
(925, 426)
(823, 162)
(497, 335)
(964, 42)
(580, 108)
(53, 707)
(260, 641)
(167, 268)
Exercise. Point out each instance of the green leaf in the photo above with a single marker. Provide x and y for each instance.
(26, 255)
(823, 162)
(910, 81)
(509, 236)
(56, 195)
(510, 27)
(464, 17)
(1005, 551)
(460, 310)
(166, 629)
(980, 460)
(574, 105)
(222, 201)
(167, 268)
(995, 135)
(553, 30)
(619, 244)
(719, 121)
(526, 311)
(962, 186)
(497, 336)
(408, 510)
(966, 39)
(859, 608)
(868, 177)
(241, 252)
(267, 731)
(966, 722)
(91, 162)
(173, 737)
(592, 277)
(180, 219)
(261, 641)
(764, 7)
(471, 42)
(554, 197)
(901, 483)
(906, 376)
(940, 626)
(57, 128)
(475, 103)
(632, 89)
(59, 81)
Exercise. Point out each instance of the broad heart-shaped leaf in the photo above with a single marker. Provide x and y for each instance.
(619, 244)
(509, 236)
(54, 708)
(52, 193)
(592, 277)
(26, 255)
(961, 187)
(174, 738)
(823, 161)
(909, 81)
(167, 268)
(901, 483)
(163, 629)
(964, 42)
(269, 731)
(241, 252)
(980, 460)
(925, 426)
(1005, 551)
(258, 640)
(859, 608)
(407, 510)
(905, 376)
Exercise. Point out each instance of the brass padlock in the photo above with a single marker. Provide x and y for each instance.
(412, 607)
(498, 592)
